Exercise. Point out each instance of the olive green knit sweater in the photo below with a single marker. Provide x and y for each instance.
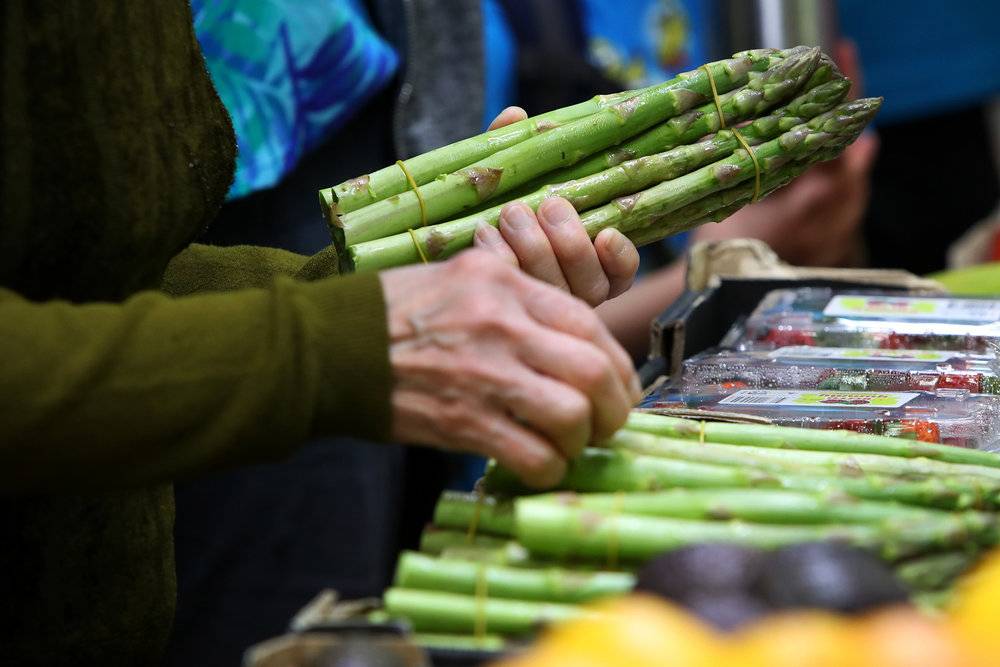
(128, 358)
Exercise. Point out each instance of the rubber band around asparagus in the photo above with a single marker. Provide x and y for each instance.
(477, 510)
(481, 595)
(736, 133)
(416, 191)
(756, 164)
(423, 209)
(616, 510)
(715, 96)
(416, 244)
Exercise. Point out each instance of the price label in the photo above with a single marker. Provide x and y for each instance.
(928, 309)
(868, 354)
(820, 399)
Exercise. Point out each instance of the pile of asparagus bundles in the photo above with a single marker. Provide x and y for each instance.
(650, 162)
(499, 562)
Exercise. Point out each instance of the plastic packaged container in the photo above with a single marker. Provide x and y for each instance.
(865, 319)
(848, 369)
(957, 418)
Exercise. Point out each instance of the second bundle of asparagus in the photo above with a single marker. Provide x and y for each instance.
(650, 163)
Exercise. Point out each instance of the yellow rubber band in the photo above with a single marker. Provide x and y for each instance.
(479, 623)
(416, 244)
(616, 510)
(416, 191)
(756, 165)
(715, 97)
(477, 511)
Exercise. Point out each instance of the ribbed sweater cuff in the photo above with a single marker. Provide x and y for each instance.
(352, 342)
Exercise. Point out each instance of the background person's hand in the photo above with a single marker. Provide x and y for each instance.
(552, 245)
(816, 219)
(491, 361)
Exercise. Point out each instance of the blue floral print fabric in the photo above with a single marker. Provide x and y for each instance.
(290, 72)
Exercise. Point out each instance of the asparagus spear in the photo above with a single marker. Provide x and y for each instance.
(512, 554)
(457, 510)
(434, 540)
(601, 470)
(772, 506)
(934, 571)
(511, 167)
(801, 438)
(800, 461)
(459, 642)
(445, 239)
(642, 208)
(718, 206)
(548, 584)
(556, 530)
(737, 106)
(367, 189)
(759, 505)
(435, 612)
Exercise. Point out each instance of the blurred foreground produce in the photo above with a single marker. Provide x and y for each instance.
(639, 630)
(650, 162)
(739, 521)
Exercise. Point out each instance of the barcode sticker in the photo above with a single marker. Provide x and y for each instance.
(928, 309)
(870, 354)
(820, 399)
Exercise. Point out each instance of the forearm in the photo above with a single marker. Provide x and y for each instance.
(156, 388)
(629, 315)
(204, 268)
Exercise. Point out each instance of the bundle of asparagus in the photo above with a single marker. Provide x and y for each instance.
(504, 561)
(649, 162)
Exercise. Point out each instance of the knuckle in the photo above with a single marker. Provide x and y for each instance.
(574, 250)
(597, 292)
(595, 373)
(478, 262)
(541, 469)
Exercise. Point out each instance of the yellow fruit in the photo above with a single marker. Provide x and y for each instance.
(975, 613)
(904, 637)
(635, 631)
(800, 639)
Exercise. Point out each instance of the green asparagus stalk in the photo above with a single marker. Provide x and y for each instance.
(549, 584)
(756, 505)
(514, 166)
(934, 571)
(367, 189)
(601, 470)
(433, 612)
(800, 461)
(640, 209)
(447, 238)
(511, 554)
(556, 530)
(737, 106)
(434, 540)
(457, 511)
(774, 506)
(453, 642)
(718, 206)
(760, 435)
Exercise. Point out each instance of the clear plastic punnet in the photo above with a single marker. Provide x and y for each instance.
(861, 319)
(846, 369)
(959, 418)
